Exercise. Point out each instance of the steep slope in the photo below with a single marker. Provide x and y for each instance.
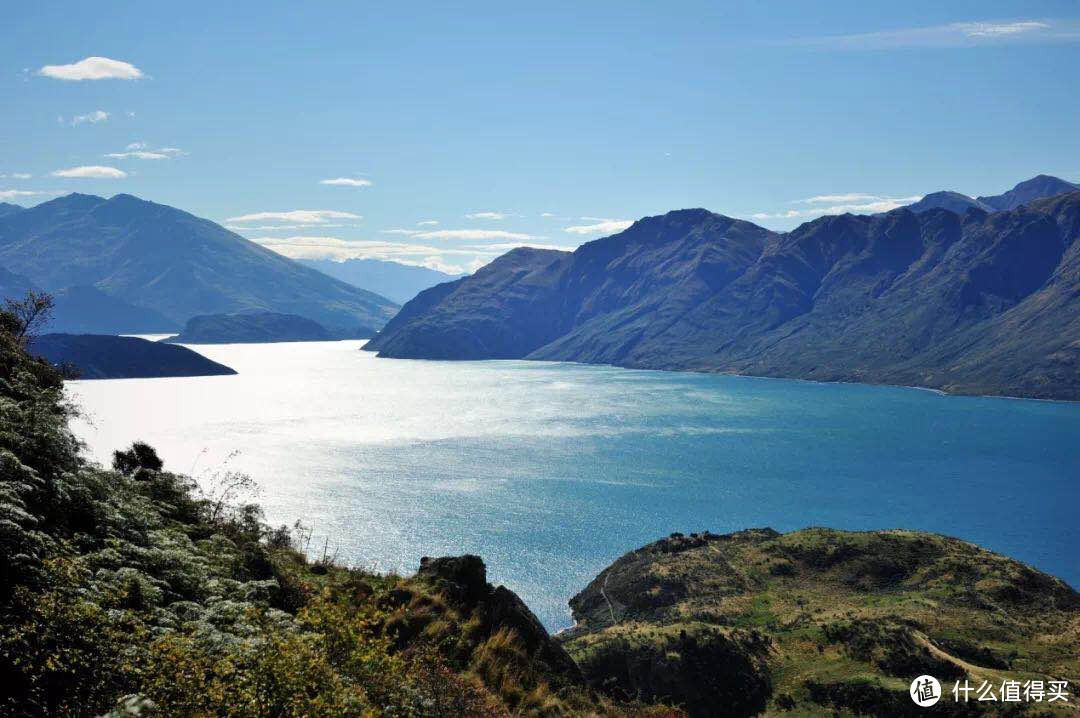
(503, 311)
(7, 209)
(817, 620)
(393, 280)
(164, 259)
(98, 356)
(983, 303)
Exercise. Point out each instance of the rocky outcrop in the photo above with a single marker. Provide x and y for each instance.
(464, 580)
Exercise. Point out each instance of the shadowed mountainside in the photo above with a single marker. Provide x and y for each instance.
(88, 310)
(164, 259)
(976, 303)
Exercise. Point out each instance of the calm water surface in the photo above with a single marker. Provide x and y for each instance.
(550, 471)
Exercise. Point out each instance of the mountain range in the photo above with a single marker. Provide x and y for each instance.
(162, 259)
(1038, 187)
(979, 302)
(393, 280)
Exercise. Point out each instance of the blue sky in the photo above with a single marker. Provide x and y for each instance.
(459, 130)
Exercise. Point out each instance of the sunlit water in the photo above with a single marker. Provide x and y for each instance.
(550, 471)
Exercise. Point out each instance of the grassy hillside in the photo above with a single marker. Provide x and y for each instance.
(817, 621)
(131, 590)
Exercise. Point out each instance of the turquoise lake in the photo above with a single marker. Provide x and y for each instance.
(550, 471)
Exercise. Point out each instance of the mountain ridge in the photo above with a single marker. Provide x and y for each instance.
(162, 258)
(900, 298)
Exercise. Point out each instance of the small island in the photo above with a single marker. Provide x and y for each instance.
(101, 356)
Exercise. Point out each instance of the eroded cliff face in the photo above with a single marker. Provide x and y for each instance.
(822, 620)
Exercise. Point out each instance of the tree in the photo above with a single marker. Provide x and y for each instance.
(30, 313)
(140, 456)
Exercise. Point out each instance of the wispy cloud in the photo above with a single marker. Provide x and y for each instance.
(854, 202)
(91, 117)
(296, 216)
(547, 214)
(474, 234)
(486, 215)
(428, 223)
(957, 34)
(347, 182)
(501, 247)
(91, 172)
(93, 68)
(16, 175)
(599, 225)
(451, 260)
(6, 194)
(140, 151)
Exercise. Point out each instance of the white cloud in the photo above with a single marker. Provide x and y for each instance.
(599, 225)
(473, 234)
(999, 29)
(407, 232)
(833, 198)
(17, 175)
(507, 246)
(957, 34)
(428, 223)
(547, 214)
(347, 182)
(91, 172)
(92, 117)
(296, 216)
(6, 194)
(323, 247)
(93, 68)
(140, 151)
(854, 202)
(486, 215)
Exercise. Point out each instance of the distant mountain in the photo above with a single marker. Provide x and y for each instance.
(88, 310)
(258, 327)
(396, 281)
(13, 286)
(98, 356)
(1039, 187)
(952, 201)
(979, 303)
(161, 258)
(7, 209)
